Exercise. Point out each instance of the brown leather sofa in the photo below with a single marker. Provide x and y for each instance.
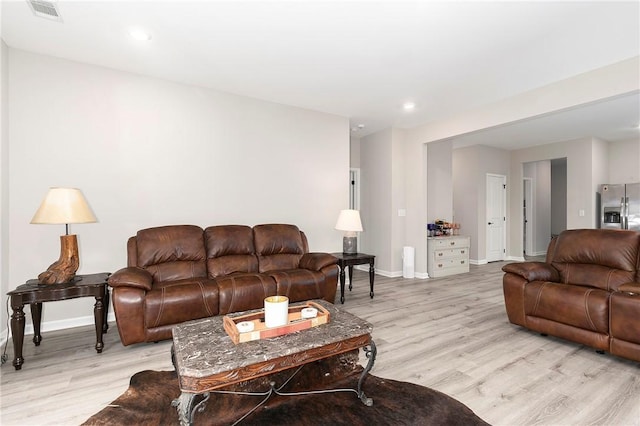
(587, 290)
(182, 272)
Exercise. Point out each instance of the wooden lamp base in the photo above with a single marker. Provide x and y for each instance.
(64, 269)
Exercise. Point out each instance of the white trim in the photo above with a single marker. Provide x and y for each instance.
(515, 258)
(58, 325)
(388, 274)
(478, 262)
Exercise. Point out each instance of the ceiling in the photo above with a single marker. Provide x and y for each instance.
(360, 59)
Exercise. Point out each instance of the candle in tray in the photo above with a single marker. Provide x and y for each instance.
(276, 311)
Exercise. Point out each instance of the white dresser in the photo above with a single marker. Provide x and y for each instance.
(447, 255)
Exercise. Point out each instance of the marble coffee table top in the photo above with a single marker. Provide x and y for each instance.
(202, 348)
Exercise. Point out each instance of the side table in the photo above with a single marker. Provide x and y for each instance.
(350, 260)
(35, 294)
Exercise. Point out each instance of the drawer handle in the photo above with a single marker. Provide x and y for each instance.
(439, 265)
(440, 254)
(453, 243)
(462, 251)
(462, 262)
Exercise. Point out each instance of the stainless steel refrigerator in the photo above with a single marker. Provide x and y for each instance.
(619, 206)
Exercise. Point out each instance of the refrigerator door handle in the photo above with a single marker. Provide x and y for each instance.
(622, 214)
(626, 213)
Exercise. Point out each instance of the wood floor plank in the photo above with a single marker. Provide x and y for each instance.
(451, 334)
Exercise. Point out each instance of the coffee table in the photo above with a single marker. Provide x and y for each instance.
(206, 359)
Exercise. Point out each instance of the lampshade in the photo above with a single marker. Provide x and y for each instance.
(349, 220)
(62, 206)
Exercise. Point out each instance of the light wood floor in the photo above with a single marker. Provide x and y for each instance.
(450, 334)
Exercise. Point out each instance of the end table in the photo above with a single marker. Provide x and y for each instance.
(348, 260)
(35, 294)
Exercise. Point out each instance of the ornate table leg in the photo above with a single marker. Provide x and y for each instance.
(350, 277)
(342, 278)
(186, 408)
(105, 303)
(370, 351)
(17, 334)
(98, 314)
(36, 317)
(372, 273)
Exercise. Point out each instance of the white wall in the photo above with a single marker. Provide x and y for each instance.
(354, 152)
(439, 181)
(624, 161)
(558, 196)
(540, 174)
(376, 176)
(149, 152)
(4, 179)
(470, 168)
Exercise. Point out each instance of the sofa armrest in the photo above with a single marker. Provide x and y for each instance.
(316, 261)
(633, 288)
(533, 271)
(131, 277)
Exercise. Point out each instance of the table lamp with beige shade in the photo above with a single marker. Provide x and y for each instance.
(63, 206)
(349, 222)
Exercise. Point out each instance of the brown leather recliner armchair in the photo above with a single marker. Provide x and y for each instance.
(587, 290)
(182, 272)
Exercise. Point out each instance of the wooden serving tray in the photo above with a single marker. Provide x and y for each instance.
(261, 331)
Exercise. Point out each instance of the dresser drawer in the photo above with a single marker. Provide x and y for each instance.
(449, 242)
(449, 253)
(450, 263)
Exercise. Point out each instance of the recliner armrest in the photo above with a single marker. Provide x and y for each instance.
(533, 271)
(131, 277)
(633, 288)
(316, 261)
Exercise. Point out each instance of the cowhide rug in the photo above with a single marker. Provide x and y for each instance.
(148, 401)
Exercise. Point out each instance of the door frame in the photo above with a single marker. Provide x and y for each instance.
(527, 194)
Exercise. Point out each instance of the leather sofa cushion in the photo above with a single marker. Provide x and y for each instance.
(241, 292)
(582, 307)
(229, 250)
(172, 253)
(279, 247)
(173, 302)
(625, 317)
(308, 284)
(597, 258)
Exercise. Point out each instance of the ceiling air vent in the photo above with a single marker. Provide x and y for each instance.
(45, 9)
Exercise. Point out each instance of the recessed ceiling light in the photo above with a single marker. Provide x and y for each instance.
(409, 106)
(139, 34)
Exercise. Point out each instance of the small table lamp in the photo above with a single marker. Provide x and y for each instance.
(63, 205)
(349, 221)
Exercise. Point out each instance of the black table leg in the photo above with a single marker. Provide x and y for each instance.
(105, 303)
(342, 278)
(350, 277)
(98, 315)
(36, 317)
(372, 273)
(17, 334)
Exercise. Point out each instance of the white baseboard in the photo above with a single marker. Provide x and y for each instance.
(478, 261)
(57, 325)
(388, 274)
(515, 258)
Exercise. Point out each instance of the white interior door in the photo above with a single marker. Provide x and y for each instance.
(496, 201)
